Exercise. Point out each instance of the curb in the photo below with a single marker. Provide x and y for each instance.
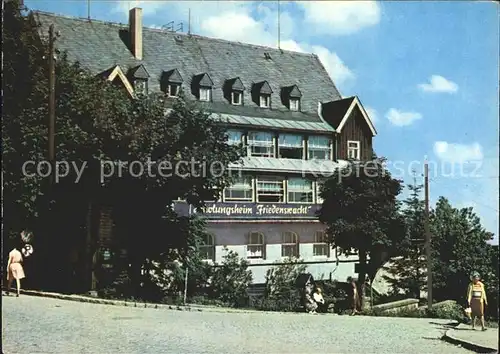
(79, 298)
(448, 337)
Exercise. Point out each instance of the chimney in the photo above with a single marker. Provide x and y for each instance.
(135, 30)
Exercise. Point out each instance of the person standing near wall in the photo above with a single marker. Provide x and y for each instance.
(15, 270)
(476, 299)
(354, 294)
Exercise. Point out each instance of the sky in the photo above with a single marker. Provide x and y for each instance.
(426, 72)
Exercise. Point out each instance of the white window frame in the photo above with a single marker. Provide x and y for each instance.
(208, 92)
(353, 152)
(294, 104)
(271, 180)
(233, 142)
(207, 249)
(292, 189)
(264, 100)
(235, 94)
(284, 145)
(171, 92)
(314, 147)
(269, 144)
(290, 247)
(240, 185)
(320, 247)
(256, 245)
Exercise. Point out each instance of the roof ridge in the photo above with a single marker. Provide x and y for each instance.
(158, 30)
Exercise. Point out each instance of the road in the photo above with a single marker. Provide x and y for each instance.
(42, 325)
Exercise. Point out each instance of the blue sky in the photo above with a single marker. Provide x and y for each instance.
(427, 72)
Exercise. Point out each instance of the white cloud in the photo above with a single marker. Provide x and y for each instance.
(400, 118)
(438, 83)
(372, 113)
(453, 152)
(340, 17)
(239, 26)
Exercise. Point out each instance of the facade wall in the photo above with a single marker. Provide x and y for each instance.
(234, 236)
(355, 129)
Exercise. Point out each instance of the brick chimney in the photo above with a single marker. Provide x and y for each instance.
(135, 30)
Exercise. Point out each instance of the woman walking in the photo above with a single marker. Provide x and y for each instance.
(15, 269)
(476, 299)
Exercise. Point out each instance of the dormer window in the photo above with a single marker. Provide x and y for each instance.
(204, 94)
(290, 97)
(171, 83)
(294, 104)
(201, 87)
(233, 91)
(261, 94)
(173, 90)
(236, 98)
(139, 78)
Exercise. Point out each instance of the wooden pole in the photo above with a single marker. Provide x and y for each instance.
(428, 247)
(52, 102)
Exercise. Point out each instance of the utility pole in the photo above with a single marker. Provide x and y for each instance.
(279, 25)
(52, 102)
(428, 247)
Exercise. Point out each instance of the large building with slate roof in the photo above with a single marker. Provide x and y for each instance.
(282, 105)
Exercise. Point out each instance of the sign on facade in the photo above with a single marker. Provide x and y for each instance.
(253, 210)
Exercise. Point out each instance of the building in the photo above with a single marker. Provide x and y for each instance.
(281, 104)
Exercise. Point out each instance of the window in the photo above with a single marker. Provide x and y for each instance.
(173, 90)
(207, 248)
(235, 137)
(321, 246)
(240, 191)
(294, 104)
(141, 87)
(300, 190)
(265, 101)
(290, 245)
(256, 247)
(319, 183)
(270, 189)
(237, 98)
(290, 146)
(204, 94)
(353, 150)
(260, 144)
(319, 147)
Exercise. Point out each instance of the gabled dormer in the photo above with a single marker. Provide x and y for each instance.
(171, 83)
(290, 97)
(116, 76)
(138, 77)
(201, 87)
(261, 94)
(233, 91)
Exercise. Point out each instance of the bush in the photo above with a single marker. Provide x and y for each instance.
(280, 293)
(230, 280)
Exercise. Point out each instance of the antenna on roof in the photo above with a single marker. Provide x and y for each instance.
(169, 26)
(88, 10)
(279, 24)
(189, 22)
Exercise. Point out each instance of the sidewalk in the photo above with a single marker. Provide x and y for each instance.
(476, 340)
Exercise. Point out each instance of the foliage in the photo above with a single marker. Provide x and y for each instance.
(280, 292)
(230, 280)
(459, 247)
(96, 121)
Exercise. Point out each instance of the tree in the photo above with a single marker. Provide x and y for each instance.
(459, 247)
(361, 211)
(98, 126)
(408, 271)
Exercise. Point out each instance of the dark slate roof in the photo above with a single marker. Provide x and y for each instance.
(99, 46)
(334, 111)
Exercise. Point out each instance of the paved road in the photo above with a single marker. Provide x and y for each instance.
(41, 325)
